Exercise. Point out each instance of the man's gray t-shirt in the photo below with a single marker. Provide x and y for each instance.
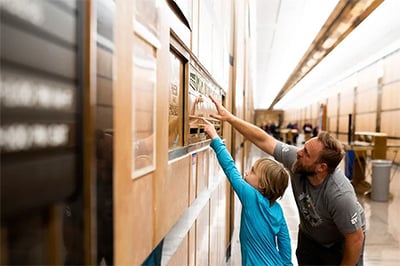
(328, 210)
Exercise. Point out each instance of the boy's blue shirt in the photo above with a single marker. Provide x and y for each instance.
(264, 235)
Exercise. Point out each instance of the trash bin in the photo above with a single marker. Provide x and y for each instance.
(349, 162)
(380, 179)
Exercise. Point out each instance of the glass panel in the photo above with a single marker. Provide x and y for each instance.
(144, 76)
(40, 129)
(104, 131)
(175, 102)
(147, 14)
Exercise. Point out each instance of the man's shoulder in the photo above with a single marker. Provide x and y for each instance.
(339, 186)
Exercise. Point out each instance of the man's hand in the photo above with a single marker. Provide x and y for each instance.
(223, 114)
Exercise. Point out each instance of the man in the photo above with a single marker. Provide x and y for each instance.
(332, 222)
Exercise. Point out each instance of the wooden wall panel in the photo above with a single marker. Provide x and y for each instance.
(343, 124)
(391, 104)
(194, 44)
(192, 246)
(214, 252)
(388, 125)
(331, 112)
(180, 257)
(218, 222)
(367, 101)
(213, 167)
(368, 77)
(291, 116)
(346, 102)
(173, 194)
(332, 124)
(202, 236)
(202, 171)
(375, 107)
(192, 177)
(124, 198)
(139, 201)
(366, 122)
(391, 66)
(224, 221)
(332, 106)
(342, 138)
(178, 27)
(161, 185)
(205, 35)
(315, 112)
(391, 95)
(264, 116)
(227, 193)
(308, 113)
(394, 154)
(347, 85)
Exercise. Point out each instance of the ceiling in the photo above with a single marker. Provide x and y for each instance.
(286, 28)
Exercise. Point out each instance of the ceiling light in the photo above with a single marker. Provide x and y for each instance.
(346, 16)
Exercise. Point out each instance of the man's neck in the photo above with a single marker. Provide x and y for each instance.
(317, 179)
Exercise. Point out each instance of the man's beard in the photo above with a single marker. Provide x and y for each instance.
(299, 168)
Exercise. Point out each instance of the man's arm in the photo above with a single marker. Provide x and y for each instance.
(253, 133)
(352, 247)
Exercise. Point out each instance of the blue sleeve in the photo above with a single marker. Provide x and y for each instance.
(240, 186)
(284, 245)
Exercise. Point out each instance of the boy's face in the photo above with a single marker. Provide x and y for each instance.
(251, 178)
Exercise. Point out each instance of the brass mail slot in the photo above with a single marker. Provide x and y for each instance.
(196, 130)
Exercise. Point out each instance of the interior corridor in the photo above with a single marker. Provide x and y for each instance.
(382, 235)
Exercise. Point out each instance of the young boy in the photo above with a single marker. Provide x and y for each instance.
(264, 236)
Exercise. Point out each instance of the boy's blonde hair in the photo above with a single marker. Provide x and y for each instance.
(273, 178)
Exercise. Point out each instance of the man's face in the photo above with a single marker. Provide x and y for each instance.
(306, 162)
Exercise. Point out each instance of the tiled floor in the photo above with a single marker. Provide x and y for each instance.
(383, 223)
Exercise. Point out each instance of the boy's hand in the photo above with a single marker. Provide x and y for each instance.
(209, 129)
(223, 114)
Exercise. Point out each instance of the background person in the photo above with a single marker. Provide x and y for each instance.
(307, 129)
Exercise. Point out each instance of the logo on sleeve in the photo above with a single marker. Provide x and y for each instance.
(285, 148)
(354, 218)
